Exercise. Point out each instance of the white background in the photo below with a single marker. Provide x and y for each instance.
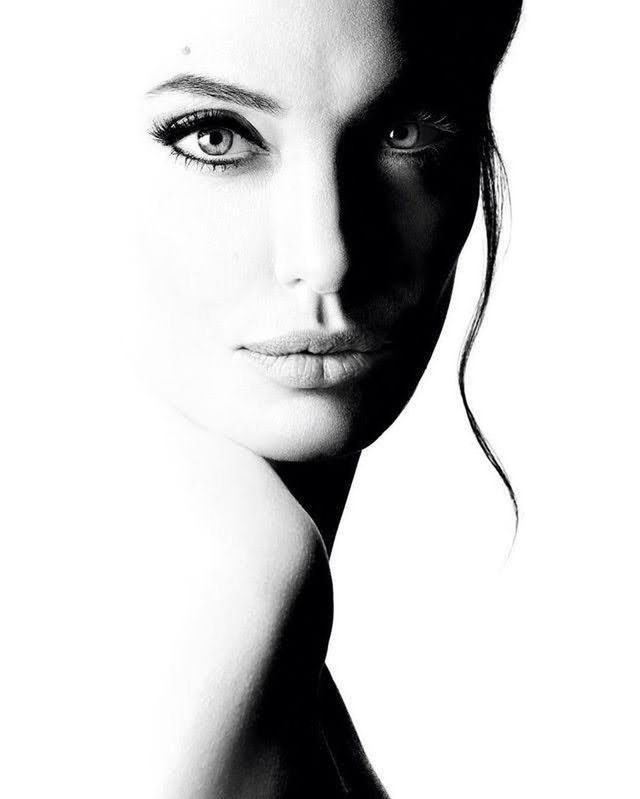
(467, 677)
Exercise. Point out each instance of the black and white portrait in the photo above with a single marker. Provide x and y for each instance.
(319, 437)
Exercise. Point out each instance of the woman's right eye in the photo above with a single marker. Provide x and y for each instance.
(215, 145)
(211, 138)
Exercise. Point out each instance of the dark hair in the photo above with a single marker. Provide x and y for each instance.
(494, 188)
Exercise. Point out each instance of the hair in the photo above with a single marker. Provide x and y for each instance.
(494, 190)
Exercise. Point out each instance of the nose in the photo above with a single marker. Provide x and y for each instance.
(309, 240)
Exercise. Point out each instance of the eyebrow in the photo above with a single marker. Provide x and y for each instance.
(207, 87)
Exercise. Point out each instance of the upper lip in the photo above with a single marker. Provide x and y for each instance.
(320, 343)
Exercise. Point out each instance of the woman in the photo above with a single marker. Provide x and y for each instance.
(304, 176)
(310, 172)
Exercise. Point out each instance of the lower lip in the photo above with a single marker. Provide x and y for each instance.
(308, 370)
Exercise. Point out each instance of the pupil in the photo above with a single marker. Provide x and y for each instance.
(216, 141)
(400, 133)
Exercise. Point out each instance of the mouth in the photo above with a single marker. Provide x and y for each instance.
(315, 360)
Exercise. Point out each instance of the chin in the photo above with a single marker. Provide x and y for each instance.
(315, 425)
(304, 429)
(308, 447)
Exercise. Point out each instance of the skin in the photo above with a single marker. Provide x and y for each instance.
(327, 228)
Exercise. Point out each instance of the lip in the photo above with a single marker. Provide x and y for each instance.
(312, 360)
(318, 342)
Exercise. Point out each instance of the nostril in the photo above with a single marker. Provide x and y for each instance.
(313, 258)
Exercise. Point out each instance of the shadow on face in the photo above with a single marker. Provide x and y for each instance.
(307, 173)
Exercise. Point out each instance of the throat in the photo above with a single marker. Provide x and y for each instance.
(321, 487)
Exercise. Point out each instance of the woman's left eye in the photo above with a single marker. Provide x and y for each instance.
(411, 136)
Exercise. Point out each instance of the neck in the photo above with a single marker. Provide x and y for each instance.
(322, 488)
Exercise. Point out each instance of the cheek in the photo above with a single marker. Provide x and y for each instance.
(412, 232)
(205, 246)
(438, 218)
(435, 207)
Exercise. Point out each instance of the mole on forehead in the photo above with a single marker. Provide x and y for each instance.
(377, 79)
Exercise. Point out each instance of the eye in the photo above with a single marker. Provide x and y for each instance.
(211, 137)
(411, 135)
(213, 144)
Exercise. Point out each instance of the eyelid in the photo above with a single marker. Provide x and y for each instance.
(440, 121)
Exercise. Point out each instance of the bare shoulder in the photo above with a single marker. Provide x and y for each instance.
(200, 617)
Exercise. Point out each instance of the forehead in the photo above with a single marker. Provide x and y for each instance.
(330, 53)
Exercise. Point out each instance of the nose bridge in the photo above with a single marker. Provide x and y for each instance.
(310, 244)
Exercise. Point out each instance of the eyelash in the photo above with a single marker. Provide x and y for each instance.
(170, 132)
(432, 152)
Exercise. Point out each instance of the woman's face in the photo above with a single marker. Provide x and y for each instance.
(302, 208)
